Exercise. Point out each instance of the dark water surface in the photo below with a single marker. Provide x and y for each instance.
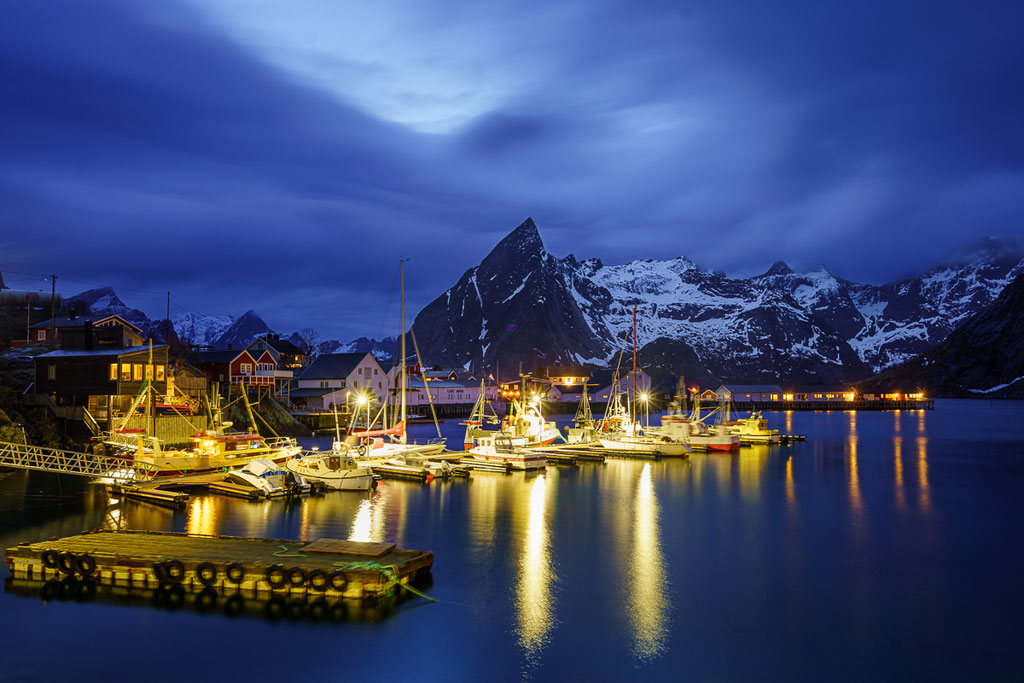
(888, 546)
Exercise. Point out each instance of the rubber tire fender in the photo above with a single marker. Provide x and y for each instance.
(317, 579)
(296, 577)
(206, 572)
(275, 576)
(66, 563)
(235, 573)
(338, 580)
(175, 571)
(361, 450)
(85, 564)
(49, 558)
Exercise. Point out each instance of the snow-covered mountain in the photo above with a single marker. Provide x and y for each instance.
(521, 304)
(243, 331)
(103, 301)
(384, 348)
(201, 330)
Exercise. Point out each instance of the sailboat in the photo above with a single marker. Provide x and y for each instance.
(373, 446)
(632, 438)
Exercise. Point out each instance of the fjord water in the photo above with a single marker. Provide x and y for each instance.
(887, 546)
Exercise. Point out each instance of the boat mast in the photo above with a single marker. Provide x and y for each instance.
(633, 415)
(401, 267)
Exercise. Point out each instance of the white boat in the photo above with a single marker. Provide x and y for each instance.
(507, 449)
(754, 429)
(657, 445)
(266, 476)
(334, 469)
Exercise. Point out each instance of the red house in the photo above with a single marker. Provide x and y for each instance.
(237, 367)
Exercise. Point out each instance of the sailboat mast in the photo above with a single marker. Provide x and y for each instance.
(634, 362)
(401, 266)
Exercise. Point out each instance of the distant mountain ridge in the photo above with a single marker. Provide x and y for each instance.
(523, 305)
(984, 356)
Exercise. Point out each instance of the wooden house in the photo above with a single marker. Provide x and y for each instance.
(229, 366)
(336, 379)
(79, 331)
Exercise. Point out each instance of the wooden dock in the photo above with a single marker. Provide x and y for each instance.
(251, 567)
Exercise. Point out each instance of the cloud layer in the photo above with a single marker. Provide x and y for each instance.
(285, 156)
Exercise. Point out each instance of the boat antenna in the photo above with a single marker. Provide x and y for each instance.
(634, 365)
(401, 268)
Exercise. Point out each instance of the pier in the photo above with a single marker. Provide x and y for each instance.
(250, 567)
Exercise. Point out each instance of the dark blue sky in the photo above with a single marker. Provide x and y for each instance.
(283, 156)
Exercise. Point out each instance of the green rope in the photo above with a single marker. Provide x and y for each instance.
(283, 552)
(388, 571)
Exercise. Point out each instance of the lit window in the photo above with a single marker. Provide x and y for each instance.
(246, 368)
(41, 334)
(138, 372)
(149, 372)
(159, 373)
(113, 372)
(126, 372)
(51, 372)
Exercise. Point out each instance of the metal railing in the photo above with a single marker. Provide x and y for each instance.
(44, 459)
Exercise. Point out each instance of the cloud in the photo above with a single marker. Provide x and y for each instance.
(239, 153)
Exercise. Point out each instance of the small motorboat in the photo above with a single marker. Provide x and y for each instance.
(507, 449)
(334, 469)
(266, 476)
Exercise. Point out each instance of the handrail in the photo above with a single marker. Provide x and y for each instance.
(27, 457)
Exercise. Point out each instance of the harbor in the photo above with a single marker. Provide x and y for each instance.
(649, 546)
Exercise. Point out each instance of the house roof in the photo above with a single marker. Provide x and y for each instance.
(280, 345)
(311, 392)
(566, 371)
(334, 366)
(80, 320)
(66, 353)
(752, 388)
(822, 388)
(220, 356)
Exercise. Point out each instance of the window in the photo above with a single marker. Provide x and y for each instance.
(51, 371)
(323, 384)
(159, 373)
(138, 372)
(126, 372)
(375, 372)
(41, 334)
(246, 368)
(113, 372)
(149, 372)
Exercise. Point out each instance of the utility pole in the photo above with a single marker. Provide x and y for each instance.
(53, 307)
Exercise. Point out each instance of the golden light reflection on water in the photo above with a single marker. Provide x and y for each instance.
(790, 486)
(202, 515)
(533, 594)
(897, 445)
(751, 462)
(368, 522)
(789, 421)
(647, 590)
(923, 496)
(856, 501)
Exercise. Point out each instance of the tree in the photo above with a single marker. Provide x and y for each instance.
(309, 343)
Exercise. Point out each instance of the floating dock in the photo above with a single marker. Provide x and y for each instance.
(251, 567)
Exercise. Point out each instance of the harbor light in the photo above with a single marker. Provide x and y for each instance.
(361, 399)
(644, 396)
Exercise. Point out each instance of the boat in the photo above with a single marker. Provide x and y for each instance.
(524, 421)
(212, 450)
(645, 443)
(584, 429)
(691, 428)
(267, 477)
(335, 469)
(501, 448)
(754, 429)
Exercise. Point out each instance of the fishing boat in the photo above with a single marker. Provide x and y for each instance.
(334, 469)
(692, 429)
(524, 421)
(501, 448)
(645, 443)
(584, 429)
(754, 429)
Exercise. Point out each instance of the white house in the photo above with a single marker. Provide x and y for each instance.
(338, 379)
(749, 393)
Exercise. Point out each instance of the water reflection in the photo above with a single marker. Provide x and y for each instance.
(790, 486)
(533, 594)
(647, 589)
(897, 445)
(202, 516)
(789, 421)
(923, 495)
(856, 502)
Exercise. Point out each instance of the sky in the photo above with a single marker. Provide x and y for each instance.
(285, 156)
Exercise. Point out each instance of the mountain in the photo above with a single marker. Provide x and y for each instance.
(984, 356)
(201, 330)
(522, 304)
(242, 331)
(103, 301)
(382, 349)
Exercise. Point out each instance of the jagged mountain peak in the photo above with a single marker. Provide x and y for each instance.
(779, 268)
(523, 243)
(992, 248)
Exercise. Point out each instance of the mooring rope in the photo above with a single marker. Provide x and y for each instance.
(388, 571)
